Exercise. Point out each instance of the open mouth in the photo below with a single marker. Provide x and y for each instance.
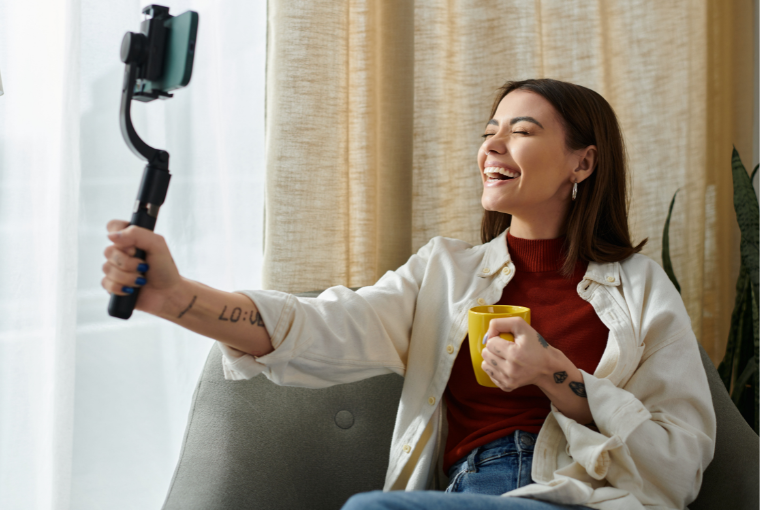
(494, 174)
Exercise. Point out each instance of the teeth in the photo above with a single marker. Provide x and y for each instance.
(493, 171)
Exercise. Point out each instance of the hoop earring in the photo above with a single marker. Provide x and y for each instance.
(575, 190)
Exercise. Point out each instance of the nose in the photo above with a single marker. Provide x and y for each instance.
(492, 146)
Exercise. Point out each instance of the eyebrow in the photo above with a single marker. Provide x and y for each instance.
(515, 121)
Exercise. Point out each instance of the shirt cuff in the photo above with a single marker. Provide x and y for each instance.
(588, 448)
(238, 365)
(616, 412)
(276, 309)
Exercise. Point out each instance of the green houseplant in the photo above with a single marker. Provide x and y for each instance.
(739, 368)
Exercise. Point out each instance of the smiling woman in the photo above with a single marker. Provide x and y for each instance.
(560, 139)
(607, 358)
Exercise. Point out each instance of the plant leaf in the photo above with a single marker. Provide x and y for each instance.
(744, 353)
(726, 367)
(748, 217)
(749, 369)
(755, 334)
(667, 265)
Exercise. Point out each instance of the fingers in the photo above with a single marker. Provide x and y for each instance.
(511, 325)
(115, 225)
(133, 236)
(497, 346)
(124, 260)
(500, 379)
(119, 281)
(122, 270)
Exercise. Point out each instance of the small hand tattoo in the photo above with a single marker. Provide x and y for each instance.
(559, 377)
(579, 389)
(188, 308)
(541, 340)
(493, 362)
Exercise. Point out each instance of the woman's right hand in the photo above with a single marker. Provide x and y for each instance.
(122, 269)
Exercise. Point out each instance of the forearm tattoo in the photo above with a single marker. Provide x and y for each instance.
(236, 314)
(579, 389)
(188, 308)
(541, 340)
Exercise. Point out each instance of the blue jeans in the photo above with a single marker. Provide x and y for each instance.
(475, 482)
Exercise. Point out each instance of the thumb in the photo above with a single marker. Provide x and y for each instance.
(133, 237)
(115, 225)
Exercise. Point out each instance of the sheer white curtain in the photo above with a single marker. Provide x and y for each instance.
(92, 408)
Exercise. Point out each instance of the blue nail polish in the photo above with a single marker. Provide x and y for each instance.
(140, 281)
(128, 290)
(485, 338)
(142, 267)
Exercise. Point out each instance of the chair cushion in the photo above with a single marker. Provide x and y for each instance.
(253, 444)
(731, 479)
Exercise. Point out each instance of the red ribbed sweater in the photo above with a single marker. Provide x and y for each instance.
(477, 414)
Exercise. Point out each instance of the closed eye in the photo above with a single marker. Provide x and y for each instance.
(491, 134)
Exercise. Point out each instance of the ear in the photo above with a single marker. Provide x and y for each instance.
(586, 163)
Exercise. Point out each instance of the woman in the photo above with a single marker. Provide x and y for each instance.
(602, 402)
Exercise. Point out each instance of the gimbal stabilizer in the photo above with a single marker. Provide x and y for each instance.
(144, 54)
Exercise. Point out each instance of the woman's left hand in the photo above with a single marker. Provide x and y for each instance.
(527, 360)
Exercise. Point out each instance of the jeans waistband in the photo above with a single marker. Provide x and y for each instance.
(517, 442)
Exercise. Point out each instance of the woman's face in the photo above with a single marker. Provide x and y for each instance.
(526, 140)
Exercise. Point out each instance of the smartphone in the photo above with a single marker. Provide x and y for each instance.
(177, 60)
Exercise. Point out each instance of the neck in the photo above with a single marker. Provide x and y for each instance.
(543, 228)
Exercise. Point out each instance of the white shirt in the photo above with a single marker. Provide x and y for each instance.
(649, 395)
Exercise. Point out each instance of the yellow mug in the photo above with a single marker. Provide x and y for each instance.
(478, 321)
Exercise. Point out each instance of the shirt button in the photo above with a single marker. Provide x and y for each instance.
(431, 400)
(481, 301)
(610, 279)
(450, 349)
(407, 448)
(506, 271)
(486, 270)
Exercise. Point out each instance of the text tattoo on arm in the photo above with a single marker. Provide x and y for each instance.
(236, 314)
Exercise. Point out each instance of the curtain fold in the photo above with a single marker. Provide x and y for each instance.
(351, 193)
(39, 198)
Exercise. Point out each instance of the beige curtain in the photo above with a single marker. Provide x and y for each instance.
(375, 110)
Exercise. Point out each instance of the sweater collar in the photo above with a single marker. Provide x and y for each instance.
(536, 255)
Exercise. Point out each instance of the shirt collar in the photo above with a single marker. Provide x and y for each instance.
(497, 256)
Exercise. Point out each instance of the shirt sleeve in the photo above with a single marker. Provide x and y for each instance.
(656, 434)
(339, 337)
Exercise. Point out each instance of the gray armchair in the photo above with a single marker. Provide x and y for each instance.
(253, 444)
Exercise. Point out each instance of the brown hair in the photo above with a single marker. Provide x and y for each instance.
(597, 224)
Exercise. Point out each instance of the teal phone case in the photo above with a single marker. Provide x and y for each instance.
(180, 50)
